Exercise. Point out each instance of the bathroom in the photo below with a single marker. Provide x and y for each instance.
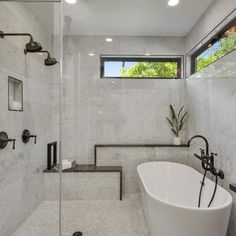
(84, 131)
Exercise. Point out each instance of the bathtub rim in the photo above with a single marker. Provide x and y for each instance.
(225, 205)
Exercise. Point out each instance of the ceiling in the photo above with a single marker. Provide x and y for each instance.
(132, 17)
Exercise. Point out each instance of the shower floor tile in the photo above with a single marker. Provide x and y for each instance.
(93, 218)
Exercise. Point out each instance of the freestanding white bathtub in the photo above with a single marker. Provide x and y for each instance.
(170, 199)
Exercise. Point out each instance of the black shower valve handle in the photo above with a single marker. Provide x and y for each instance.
(35, 138)
(26, 136)
(13, 143)
(4, 140)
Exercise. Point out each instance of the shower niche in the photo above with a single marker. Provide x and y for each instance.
(15, 94)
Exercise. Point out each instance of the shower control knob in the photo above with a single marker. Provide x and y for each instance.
(26, 136)
(4, 140)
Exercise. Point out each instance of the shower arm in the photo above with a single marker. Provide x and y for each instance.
(49, 61)
(2, 35)
(43, 51)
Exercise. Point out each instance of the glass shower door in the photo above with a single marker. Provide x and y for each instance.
(29, 117)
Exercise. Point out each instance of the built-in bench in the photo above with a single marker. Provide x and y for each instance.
(74, 186)
(78, 183)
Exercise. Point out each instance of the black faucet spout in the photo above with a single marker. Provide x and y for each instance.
(206, 159)
(203, 138)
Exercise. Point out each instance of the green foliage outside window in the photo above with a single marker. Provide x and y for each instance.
(151, 70)
(226, 45)
(170, 69)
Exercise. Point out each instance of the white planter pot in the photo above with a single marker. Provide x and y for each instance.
(177, 141)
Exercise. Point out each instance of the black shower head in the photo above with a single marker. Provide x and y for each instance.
(32, 46)
(49, 61)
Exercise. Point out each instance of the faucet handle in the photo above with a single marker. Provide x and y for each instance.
(14, 143)
(26, 136)
(4, 140)
(213, 154)
(202, 152)
(35, 138)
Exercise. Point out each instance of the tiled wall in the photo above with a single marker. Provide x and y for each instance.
(21, 176)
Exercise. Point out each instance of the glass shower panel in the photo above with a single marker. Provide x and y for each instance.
(99, 182)
(30, 116)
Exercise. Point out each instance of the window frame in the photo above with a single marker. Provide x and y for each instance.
(215, 38)
(169, 58)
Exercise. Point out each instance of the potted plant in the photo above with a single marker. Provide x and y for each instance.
(176, 122)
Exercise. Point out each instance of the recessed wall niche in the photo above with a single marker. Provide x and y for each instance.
(15, 94)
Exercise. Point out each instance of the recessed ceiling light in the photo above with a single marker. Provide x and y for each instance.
(108, 40)
(91, 54)
(71, 1)
(173, 3)
(147, 54)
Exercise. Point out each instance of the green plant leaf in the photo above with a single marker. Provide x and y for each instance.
(172, 125)
(181, 126)
(182, 119)
(174, 132)
(180, 111)
(172, 113)
(176, 122)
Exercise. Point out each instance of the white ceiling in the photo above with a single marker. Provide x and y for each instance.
(132, 17)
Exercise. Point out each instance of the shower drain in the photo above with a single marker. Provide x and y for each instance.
(77, 234)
